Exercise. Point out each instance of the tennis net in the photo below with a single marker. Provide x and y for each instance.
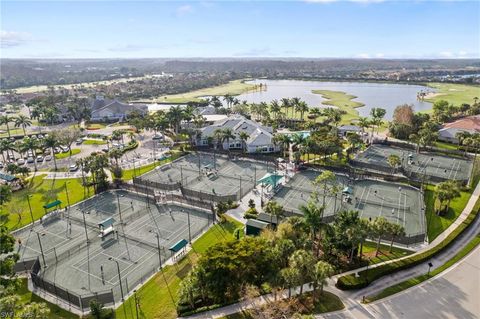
(384, 204)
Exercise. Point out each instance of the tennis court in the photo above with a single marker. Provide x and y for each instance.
(72, 264)
(431, 166)
(211, 174)
(398, 203)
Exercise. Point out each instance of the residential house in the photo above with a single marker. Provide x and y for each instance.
(260, 138)
(470, 124)
(113, 110)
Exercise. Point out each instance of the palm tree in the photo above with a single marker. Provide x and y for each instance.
(244, 137)
(29, 144)
(302, 107)
(294, 101)
(313, 218)
(321, 272)
(275, 109)
(5, 146)
(175, 115)
(283, 140)
(445, 192)
(364, 230)
(305, 263)
(394, 162)
(274, 209)
(22, 121)
(115, 154)
(51, 141)
(461, 136)
(395, 231)
(363, 123)
(285, 104)
(379, 228)
(291, 277)
(5, 119)
(227, 135)
(218, 137)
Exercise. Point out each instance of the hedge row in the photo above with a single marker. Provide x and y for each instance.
(365, 277)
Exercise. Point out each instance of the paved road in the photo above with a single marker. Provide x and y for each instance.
(454, 293)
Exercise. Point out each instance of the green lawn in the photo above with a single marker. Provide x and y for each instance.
(75, 151)
(233, 88)
(437, 224)
(384, 254)
(446, 146)
(455, 94)
(155, 300)
(27, 296)
(41, 191)
(94, 142)
(95, 126)
(417, 280)
(343, 101)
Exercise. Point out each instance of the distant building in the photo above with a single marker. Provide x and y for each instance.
(345, 129)
(260, 138)
(113, 110)
(469, 124)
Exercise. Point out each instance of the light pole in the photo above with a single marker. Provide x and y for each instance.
(136, 302)
(119, 276)
(430, 265)
(85, 226)
(158, 248)
(41, 249)
(189, 232)
(30, 207)
(66, 192)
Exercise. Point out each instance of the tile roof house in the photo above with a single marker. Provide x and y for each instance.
(260, 138)
(470, 124)
(113, 110)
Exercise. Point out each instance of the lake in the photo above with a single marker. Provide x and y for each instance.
(384, 95)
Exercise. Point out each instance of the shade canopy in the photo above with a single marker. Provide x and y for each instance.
(52, 204)
(179, 245)
(270, 179)
(107, 222)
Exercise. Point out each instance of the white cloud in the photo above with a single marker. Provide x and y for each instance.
(183, 10)
(363, 56)
(10, 39)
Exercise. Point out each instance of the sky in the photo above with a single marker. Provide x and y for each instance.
(311, 29)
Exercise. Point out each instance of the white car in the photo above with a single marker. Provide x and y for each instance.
(39, 158)
(20, 161)
(73, 168)
(48, 158)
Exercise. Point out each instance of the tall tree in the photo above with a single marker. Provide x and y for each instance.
(22, 121)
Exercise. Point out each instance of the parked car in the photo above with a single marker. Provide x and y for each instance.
(39, 158)
(47, 152)
(30, 160)
(1, 164)
(157, 136)
(73, 168)
(57, 150)
(48, 158)
(20, 161)
(79, 141)
(65, 149)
